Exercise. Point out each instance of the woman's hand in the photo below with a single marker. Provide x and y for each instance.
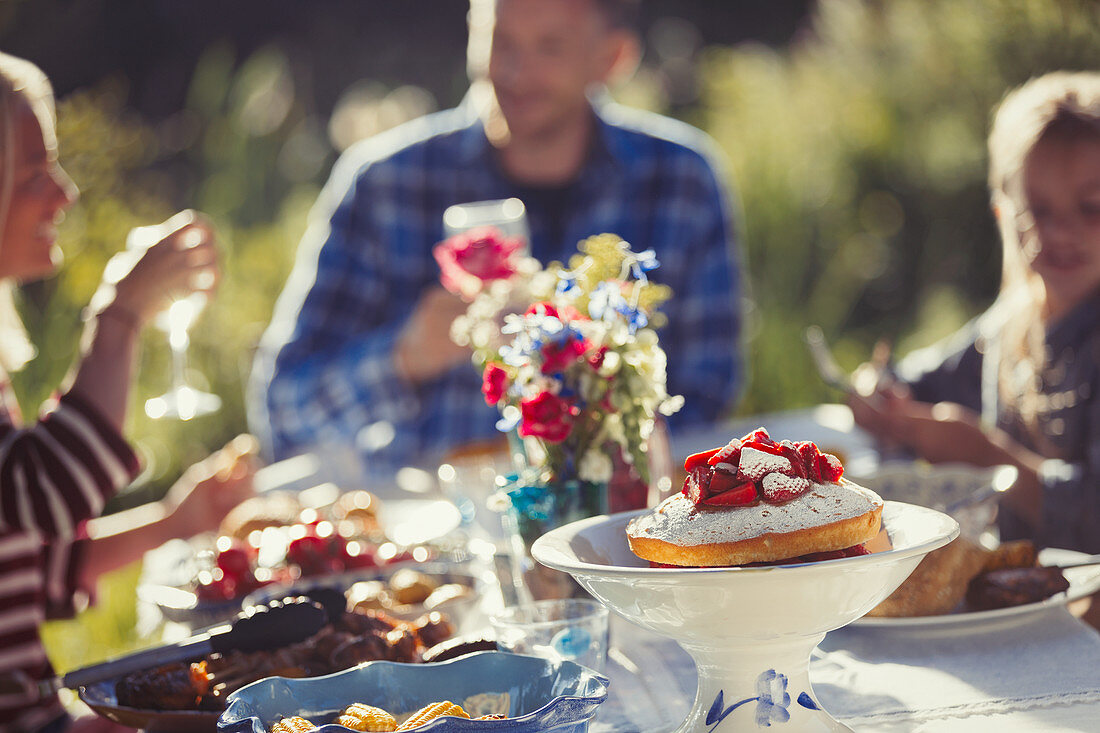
(939, 433)
(184, 260)
(209, 489)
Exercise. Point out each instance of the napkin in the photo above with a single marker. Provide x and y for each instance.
(875, 675)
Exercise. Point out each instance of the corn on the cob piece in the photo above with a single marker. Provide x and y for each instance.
(493, 716)
(293, 725)
(362, 717)
(431, 712)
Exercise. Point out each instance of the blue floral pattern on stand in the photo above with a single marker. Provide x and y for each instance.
(771, 701)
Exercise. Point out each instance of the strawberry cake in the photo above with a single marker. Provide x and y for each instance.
(756, 500)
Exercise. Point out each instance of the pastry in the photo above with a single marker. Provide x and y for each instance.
(293, 725)
(276, 509)
(1014, 587)
(941, 581)
(430, 712)
(758, 501)
(938, 585)
(362, 717)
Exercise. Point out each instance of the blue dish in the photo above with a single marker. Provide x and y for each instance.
(544, 696)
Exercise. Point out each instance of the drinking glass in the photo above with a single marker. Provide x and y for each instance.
(182, 401)
(573, 629)
(507, 215)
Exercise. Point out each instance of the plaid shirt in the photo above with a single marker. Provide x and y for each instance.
(325, 375)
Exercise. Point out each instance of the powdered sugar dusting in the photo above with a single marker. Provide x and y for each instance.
(778, 487)
(755, 464)
(678, 521)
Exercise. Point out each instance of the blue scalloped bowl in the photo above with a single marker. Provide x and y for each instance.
(543, 696)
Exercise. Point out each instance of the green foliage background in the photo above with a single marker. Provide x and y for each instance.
(857, 153)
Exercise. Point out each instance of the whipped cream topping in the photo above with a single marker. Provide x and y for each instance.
(678, 521)
(756, 464)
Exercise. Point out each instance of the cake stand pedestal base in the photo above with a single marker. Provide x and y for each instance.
(754, 684)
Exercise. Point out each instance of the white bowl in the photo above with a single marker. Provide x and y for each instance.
(968, 493)
(749, 630)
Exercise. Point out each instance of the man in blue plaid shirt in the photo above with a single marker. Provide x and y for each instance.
(358, 360)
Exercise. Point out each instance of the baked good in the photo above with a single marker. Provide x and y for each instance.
(938, 585)
(941, 582)
(276, 509)
(361, 507)
(1014, 587)
(756, 500)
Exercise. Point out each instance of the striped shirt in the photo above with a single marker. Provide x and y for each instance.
(324, 378)
(54, 475)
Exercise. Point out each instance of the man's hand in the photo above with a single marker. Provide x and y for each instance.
(424, 349)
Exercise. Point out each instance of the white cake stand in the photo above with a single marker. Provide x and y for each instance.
(750, 630)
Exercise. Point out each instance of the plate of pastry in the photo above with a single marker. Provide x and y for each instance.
(189, 695)
(966, 584)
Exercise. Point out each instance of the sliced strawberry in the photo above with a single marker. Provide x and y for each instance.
(731, 453)
(778, 488)
(699, 459)
(755, 464)
(809, 453)
(830, 467)
(697, 483)
(772, 448)
(721, 481)
(740, 495)
(790, 452)
(759, 436)
(853, 551)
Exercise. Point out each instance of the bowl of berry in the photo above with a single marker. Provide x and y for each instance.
(278, 539)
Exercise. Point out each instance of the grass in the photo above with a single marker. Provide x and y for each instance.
(106, 629)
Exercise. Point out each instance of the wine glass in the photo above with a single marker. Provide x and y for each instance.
(507, 215)
(182, 401)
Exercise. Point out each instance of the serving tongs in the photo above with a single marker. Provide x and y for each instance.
(275, 624)
(1080, 563)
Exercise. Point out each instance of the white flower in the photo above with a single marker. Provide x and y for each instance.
(595, 466)
(671, 405)
(612, 362)
(460, 330)
(543, 282)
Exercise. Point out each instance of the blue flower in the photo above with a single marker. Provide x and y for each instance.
(635, 318)
(567, 280)
(771, 702)
(605, 301)
(647, 260)
(772, 699)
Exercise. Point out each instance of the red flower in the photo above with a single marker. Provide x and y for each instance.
(595, 359)
(468, 260)
(546, 416)
(557, 355)
(493, 382)
(563, 314)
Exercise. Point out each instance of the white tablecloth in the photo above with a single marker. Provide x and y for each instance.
(1039, 672)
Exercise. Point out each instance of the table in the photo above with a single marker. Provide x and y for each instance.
(1035, 672)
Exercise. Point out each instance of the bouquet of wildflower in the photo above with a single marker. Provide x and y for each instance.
(568, 352)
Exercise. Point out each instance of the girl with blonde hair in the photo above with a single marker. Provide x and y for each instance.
(57, 472)
(1021, 383)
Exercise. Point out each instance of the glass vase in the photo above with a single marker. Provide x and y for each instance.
(537, 505)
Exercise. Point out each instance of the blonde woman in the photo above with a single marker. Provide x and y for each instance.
(57, 472)
(1021, 384)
